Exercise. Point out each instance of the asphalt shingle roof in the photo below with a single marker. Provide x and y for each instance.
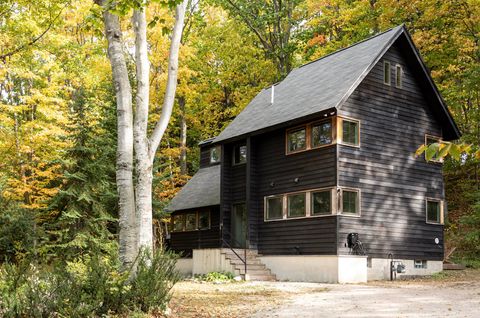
(203, 189)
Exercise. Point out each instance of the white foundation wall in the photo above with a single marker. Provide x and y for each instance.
(184, 266)
(210, 260)
(380, 269)
(316, 268)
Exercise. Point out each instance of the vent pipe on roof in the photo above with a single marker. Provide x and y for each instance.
(273, 95)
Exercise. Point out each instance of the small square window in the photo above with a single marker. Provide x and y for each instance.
(296, 140)
(178, 222)
(274, 208)
(322, 134)
(398, 76)
(350, 132)
(203, 220)
(386, 73)
(322, 202)
(296, 205)
(240, 154)
(215, 154)
(191, 222)
(420, 263)
(350, 202)
(434, 211)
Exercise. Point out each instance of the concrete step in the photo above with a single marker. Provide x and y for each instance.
(251, 266)
(254, 272)
(260, 277)
(236, 261)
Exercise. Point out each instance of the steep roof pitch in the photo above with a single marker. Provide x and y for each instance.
(203, 189)
(322, 85)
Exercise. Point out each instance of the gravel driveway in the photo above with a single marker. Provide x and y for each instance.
(398, 299)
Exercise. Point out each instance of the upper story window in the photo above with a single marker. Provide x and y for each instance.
(351, 201)
(398, 76)
(429, 140)
(434, 211)
(321, 133)
(350, 132)
(386, 73)
(297, 139)
(239, 154)
(215, 154)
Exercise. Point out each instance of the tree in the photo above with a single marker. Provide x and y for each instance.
(135, 193)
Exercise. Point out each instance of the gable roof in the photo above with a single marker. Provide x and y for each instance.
(203, 189)
(325, 84)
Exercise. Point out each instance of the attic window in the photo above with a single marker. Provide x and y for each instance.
(398, 76)
(215, 154)
(349, 133)
(239, 154)
(386, 73)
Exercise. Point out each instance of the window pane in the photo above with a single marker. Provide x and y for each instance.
(191, 222)
(322, 202)
(350, 132)
(178, 222)
(215, 154)
(433, 211)
(296, 205)
(322, 134)
(386, 72)
(398, 76)
(350, 202)
(274, 208)
(240, 154)
(297, 140)
(203, 220)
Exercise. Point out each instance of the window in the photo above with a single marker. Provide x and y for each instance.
(178, 222)
(322, 134)
(398, 76)
(386, 73)
(321, 202)
(420, 263)
(296, 205)
(296, 140)
(434, 211)
(215, 154)
(350, 132)
(350, 202)
(240, 154)
(274, 208)
(191, 222)
(203, 220)
(433, 140)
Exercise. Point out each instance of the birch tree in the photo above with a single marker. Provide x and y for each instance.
(135, 148)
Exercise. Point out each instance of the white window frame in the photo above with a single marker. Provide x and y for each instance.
(233, 154)
(397, 68)
(439, 140)
(219, 150)
(389, 82)
(441, 211)
(340, 121)
(359, 202)
(265, 204)
(420, 264)
(333, 202)
(305, 194)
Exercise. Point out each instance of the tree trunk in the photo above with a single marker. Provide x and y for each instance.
(183, 136)
(124, 166)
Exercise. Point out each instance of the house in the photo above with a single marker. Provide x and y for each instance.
(317, 160)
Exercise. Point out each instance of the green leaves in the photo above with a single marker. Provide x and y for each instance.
(441, 150)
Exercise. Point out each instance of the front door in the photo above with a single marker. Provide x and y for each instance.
(239, 225)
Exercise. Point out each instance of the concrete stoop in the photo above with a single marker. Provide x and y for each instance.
(256, 270)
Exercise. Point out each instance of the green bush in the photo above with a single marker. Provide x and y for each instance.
(215, 277)
(89, 287)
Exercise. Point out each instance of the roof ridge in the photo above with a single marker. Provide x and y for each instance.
(350, 46)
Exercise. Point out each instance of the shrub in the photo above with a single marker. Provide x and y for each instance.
(216, 277)
(89, 287)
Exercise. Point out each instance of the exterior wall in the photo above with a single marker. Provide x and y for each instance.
(380, 269)
(275, 173)
(205, 156)
(321, 269)
(184, 242)
(393, 183)
(210, 260)
(184, 266)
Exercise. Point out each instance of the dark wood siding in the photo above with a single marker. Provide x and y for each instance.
(393, 183)
(314, 169)
(205, 156)
(184, 242)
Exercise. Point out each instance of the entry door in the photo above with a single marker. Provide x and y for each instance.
(239, 225)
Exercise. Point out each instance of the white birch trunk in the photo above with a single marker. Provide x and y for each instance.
(124, 165)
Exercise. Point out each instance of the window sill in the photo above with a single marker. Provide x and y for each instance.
(309, 149)
(299, 218)
(434, 223)
(349, 144)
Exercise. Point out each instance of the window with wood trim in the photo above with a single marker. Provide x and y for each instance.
(178, 223)
(429, 140)
(321, 134)
(321, 202)
(239, 154)
(274, 208)
(349, 132)
(297, 139)
(386, 73)
(310, 136)
(434, 211)
(215, 154)
(296, 205)
(398, 76)
(350, 201)
(191, 221)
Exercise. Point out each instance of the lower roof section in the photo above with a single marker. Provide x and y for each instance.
(203, 189)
